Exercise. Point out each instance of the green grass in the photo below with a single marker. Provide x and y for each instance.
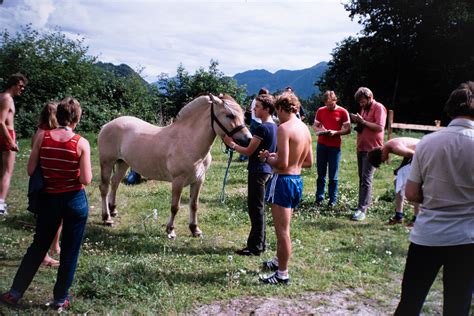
(134, 268)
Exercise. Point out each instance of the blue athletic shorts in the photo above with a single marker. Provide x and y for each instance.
(285, 190)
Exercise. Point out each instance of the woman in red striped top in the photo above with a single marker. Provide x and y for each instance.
(64, 158)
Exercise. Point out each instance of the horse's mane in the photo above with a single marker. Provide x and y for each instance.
(198, 102)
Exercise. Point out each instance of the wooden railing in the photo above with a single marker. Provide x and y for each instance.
(391, 125)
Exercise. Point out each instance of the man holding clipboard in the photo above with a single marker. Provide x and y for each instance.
(331, 122)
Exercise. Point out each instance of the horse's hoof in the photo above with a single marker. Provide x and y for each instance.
(195, 230)
(172, 235)
(109, 223)
(114, 213)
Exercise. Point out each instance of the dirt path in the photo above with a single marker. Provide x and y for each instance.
(340, 303)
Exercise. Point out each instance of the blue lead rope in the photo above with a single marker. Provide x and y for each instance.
(230, 152)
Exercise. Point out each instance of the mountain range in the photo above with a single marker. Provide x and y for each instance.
(302, 81)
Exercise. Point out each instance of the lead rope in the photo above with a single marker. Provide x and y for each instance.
(230, 152)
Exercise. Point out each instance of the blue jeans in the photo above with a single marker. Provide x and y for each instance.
(327, 158)
(72, 209)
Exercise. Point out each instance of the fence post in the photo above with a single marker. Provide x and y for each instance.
(389, 124)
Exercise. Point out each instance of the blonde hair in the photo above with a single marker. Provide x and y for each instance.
(48, 115)
(288, 102)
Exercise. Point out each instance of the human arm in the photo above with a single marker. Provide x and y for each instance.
(84, 151)
(247, 151)
(356, 118)
(34, 156)
(308, 161)
(414, 191)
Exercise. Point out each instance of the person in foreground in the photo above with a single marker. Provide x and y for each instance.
(404, 147)
(64, 158)
(330, 123)
(294, 151)
(370, 132)
(264, 138)
(442, 179)
(15, 86)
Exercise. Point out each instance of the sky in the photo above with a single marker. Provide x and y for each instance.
(158, 35)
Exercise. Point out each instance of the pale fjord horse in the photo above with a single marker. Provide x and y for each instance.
(178, 153)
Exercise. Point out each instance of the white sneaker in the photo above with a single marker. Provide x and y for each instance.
(358, 216)
(3, 209)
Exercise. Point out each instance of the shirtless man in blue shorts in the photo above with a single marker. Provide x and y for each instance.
(294, 151)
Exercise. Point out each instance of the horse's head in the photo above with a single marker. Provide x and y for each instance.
(227, 118)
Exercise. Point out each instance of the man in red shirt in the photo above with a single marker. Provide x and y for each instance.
(330, 123)
(370, 135)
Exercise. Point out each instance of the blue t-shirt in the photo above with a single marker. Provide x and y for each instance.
(267, 132)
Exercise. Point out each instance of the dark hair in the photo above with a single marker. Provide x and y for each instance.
(263, 91)
(288, 102)
(375, 157)
(290, 88)
(15, 79)
(267, 101)
(48, 115)
(69, 111)
(460, 102)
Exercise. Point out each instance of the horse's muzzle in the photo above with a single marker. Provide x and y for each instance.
(243, 141)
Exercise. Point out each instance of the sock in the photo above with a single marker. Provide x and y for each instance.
(283, 274)
(398, 215)
(2, 201)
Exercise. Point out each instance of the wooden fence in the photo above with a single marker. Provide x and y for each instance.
(391, 125)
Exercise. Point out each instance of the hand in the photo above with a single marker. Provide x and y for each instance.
(14, 147)
(263, 155)
(356, 118)
(332, 133)
(228, 141)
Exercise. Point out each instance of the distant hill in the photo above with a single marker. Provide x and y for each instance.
(302, 80)
(121, 70)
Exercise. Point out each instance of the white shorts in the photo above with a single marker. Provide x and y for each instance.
(401, 179)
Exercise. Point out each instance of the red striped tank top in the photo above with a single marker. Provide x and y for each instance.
(59, 163)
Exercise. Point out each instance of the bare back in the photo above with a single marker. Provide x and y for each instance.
(401, 146)
(294, 147)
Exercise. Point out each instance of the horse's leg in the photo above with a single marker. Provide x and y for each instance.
(120, 170)
(176, 189)
(105, 172)
(193, 207)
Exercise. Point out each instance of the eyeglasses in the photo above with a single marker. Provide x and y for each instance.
(21, 86)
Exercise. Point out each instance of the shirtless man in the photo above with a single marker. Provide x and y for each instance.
(404, 147)
(14, 87)
(294, 151)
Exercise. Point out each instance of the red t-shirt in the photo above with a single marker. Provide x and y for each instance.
(368, 139)
(333, 120)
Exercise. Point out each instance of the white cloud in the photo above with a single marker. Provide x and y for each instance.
(158, 35)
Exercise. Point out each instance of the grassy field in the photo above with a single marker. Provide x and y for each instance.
(134, 268)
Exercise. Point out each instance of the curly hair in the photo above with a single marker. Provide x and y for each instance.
(288, 102)
(267, 101)
(363, 92)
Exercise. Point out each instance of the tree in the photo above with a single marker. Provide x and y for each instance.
(410, 53)
(179, 90)
(57, 66)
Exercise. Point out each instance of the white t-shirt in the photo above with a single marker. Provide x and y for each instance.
(444, 164)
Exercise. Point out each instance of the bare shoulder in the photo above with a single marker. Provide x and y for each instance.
(5, 100)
